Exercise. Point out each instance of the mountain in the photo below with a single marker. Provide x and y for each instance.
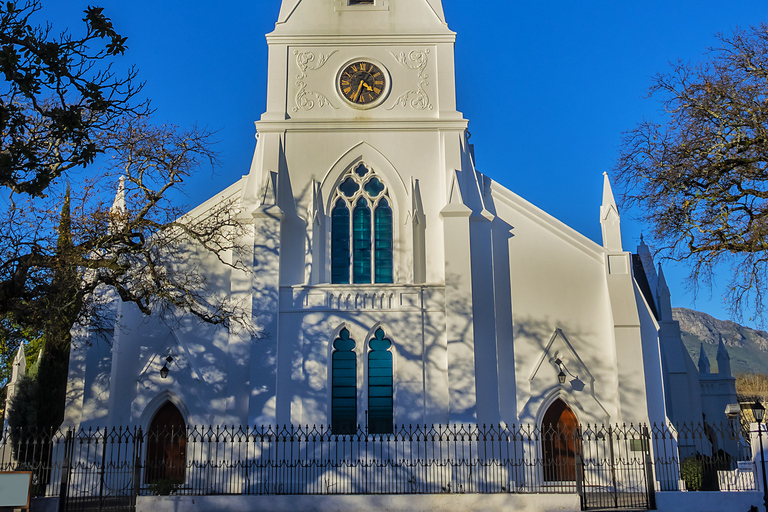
(747, 347)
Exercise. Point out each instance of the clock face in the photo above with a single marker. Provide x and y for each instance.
(362, 83)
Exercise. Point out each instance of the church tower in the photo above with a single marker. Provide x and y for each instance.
(366, 117)
(368, 82)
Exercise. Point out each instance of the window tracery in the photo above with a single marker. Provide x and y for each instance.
(361, 230)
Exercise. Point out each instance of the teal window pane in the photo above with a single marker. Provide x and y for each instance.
(383, 243)
(361, 248)
(340, 243)
(374, 187)
(380, 385)
(349, 187)
(344, 385)
(361, 170)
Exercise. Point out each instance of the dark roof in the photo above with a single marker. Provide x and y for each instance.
(642, 282)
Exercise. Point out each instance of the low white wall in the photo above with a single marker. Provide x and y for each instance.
(703, 501)
(388, 503)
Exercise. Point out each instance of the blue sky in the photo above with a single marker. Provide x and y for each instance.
(567, 78)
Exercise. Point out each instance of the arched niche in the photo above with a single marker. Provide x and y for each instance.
(560, 442)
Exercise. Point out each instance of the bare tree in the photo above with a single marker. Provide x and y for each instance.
(700, 177)
(70, 131)
(752, 385)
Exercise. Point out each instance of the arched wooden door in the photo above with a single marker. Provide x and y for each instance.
(166, 446)
(559, 443)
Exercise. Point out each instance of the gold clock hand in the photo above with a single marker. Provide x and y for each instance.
(357, 94)
(367, 86)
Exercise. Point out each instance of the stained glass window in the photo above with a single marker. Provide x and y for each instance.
(344, 385)
(362, 243)
(340, 243)
(383, 242)
(374, 187)
(380, 385)
(361, 256)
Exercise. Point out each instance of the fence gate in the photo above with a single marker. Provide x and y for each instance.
(101, 472)
(614, 470)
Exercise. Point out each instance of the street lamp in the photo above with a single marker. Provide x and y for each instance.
(758, 411)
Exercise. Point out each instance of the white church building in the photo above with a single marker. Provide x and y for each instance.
(393, 283)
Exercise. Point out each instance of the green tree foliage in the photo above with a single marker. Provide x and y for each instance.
(58, 92)
(700, 176)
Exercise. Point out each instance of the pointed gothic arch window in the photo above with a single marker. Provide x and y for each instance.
(560, 442)
(380, 385)
(361, 243)
(344, 385)
(166, 446)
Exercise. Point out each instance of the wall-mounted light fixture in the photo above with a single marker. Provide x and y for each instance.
(165, 370)
(561, 366)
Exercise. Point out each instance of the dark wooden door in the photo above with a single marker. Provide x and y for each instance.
(559, 444)
(166, 446)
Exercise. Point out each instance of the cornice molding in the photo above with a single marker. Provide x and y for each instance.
(360, 39)
(410, 125)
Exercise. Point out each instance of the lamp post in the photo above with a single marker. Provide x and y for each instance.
(758, 410)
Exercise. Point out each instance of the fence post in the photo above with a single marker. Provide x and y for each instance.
(580, 480)
(65, 471)
(649, 469)
(138, 438)
(103, 464)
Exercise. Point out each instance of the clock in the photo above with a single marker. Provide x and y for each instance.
(363, 84)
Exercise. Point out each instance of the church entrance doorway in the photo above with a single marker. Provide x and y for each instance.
(560, 445)
(166, 447)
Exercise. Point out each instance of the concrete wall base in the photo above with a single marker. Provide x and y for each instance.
(44, 505)
(388, 503)
(703, 501)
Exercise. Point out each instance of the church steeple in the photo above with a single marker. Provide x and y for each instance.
(326, 11)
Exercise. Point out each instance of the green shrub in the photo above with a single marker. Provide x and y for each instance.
(692, 473)
(163, 487)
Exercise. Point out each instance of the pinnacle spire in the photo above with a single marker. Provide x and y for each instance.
(663, 297)
(19, 365)
(704, 366)
(118, 205)
(723, 359)
(315, 207)
(609, 218)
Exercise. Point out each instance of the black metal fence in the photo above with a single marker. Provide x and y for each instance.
(703, 457)
(607, 465)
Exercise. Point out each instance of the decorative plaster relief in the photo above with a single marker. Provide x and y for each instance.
(418, 98)
(354, 298)
(304, 61)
